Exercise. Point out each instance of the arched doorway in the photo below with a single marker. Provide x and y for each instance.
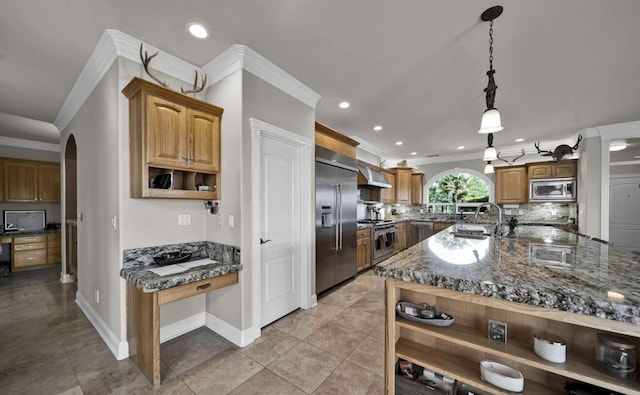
(71, 209)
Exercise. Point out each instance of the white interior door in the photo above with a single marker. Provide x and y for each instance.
(281, 228)
(624, 215)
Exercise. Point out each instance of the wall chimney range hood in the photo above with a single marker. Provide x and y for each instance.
(368, 176)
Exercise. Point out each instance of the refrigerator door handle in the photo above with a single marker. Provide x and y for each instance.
(340, 215)
(337, 221)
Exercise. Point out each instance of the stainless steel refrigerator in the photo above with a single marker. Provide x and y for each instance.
(336, 223)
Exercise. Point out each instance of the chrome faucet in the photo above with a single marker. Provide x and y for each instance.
(498, 229)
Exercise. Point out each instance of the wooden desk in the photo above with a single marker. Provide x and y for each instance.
(143, 319)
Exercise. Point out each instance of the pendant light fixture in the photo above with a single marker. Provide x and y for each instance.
(491, 122)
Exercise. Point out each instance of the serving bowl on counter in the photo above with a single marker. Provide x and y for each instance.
(169, 258)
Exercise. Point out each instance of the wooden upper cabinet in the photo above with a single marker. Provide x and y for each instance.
(173, 138)
(403, 185)
(511, 184)
(388, 195)
(1, 181)
(167, 140)
(204, 143)
(335, 141)
(49, 182)
(29, 181)
(417, 179)
(20, 181)
(561, 169)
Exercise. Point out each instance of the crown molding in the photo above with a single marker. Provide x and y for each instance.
(114, 43)
(30, 144)
(614, 131)
(366, 146)
(241, 56)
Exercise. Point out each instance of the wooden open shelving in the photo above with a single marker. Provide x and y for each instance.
(456, 351)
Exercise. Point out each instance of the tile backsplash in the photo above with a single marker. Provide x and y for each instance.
(525, 213)
(199, 249)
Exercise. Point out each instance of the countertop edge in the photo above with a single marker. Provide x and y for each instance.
(149, 282)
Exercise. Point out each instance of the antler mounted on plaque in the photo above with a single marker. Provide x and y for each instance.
(195, 84)
(146, 59)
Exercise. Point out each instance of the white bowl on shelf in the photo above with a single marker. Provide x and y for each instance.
(501, 376)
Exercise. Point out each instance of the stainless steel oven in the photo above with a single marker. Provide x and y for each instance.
(552, 190)
(384, 235)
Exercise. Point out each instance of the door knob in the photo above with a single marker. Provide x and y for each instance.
(264, 241)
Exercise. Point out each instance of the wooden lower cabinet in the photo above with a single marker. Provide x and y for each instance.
(54, 249)
(456, 351)
(401, 237)
(439, 226)
(28, 251)
(32, 251)
(364, 249)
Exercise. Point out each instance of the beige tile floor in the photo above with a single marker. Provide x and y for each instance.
(47, 346)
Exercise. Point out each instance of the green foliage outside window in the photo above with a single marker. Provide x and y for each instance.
(458, 188)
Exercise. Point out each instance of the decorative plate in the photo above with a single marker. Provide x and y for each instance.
(423, 313)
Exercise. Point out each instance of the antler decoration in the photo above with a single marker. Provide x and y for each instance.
(146, 59)
(195, 84)
(513, 160)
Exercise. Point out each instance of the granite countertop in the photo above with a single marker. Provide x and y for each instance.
(19, 233)
(541, 266)
(147, 281)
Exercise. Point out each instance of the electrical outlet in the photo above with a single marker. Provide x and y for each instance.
(507, 212)
(184, 219)
(220, 220)
(520, 212)
(114, 222)
(230, 221)
(498, 331)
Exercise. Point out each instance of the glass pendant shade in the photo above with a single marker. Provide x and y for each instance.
(488, 169)
(491, 122)
(490, 154)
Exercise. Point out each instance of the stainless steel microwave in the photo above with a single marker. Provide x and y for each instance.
(552, 190)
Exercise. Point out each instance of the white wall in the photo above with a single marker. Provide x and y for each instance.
(243, 96)
(152, 222)
(97, 134)
(589, 187)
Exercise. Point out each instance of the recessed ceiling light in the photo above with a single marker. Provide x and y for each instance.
(377, 128)
(617, 145)
(398, 142)
(197, 30)
(461, 147)
(414, 153)
(519, 140)
(344, 104)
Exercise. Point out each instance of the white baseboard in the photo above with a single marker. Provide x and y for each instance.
(120, 349)
(239, 337)
(66, 278)
(181, 327)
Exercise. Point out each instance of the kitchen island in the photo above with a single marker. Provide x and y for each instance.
(538, 279)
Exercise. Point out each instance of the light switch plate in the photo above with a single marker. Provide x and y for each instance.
(498, 331)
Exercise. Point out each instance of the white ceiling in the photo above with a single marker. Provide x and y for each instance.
(416, 67)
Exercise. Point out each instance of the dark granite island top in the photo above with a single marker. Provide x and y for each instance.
(540, 266)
